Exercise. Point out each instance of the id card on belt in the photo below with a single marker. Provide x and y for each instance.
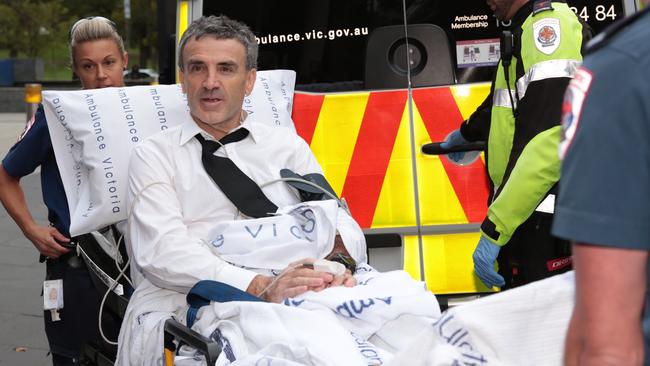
(53, 297)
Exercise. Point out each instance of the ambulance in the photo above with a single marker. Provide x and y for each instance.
(375, 81)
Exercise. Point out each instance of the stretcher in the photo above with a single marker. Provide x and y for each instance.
(108, 277)
(526, 325)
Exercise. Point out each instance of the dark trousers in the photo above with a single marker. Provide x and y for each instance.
(533, 253)
(79, 322)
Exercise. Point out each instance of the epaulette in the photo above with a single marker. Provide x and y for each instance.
(608, 33)
(540, 6)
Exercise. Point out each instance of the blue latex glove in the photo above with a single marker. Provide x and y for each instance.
(484, 256)
(454, 139)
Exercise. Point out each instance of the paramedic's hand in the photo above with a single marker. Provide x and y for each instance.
(484, 257)
(454, 139)
(46, 240)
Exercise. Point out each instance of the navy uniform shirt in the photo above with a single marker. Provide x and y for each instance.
(34, 149)
(604, 194)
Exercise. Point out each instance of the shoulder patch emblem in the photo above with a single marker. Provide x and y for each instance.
(547, 35)
(574, 98)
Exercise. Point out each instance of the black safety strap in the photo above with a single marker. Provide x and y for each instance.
(240, 189)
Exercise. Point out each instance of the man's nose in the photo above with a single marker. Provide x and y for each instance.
(212, 81)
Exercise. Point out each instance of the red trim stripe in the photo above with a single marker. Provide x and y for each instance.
(372, 153)
(306, 109)
(440, 114)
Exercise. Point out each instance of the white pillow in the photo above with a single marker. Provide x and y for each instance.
(93, 132)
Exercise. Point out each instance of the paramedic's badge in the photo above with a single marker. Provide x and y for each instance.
(574, 99)
(547, 35)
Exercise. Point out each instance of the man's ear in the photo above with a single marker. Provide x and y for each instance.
(125, 57)
(181, 79)
(250, 80)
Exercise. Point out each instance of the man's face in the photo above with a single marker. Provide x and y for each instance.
(216, 80)
(503, 9)
(99, 64)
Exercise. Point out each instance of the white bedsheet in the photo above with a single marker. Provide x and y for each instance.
(523, 326)
(363, 325)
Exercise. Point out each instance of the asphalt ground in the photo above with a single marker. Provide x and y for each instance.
(22, 337)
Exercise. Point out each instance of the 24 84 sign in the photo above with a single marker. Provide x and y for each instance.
(600, 12)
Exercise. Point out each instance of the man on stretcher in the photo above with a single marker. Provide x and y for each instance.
(207, 202)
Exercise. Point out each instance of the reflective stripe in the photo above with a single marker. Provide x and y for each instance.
(547, 70)
(540, 71)
(547, 205)
(500, 98)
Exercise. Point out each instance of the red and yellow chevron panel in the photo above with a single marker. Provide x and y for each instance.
(362, 142)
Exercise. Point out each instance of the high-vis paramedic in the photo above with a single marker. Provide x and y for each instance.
(604, 194)
(520, 122)
(98, 59)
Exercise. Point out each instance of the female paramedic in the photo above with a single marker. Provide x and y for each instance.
(98, 59)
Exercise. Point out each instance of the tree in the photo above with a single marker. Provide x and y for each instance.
(86, 8)
(144, 34)
(32, 27)
(28, 26)
(142, 27)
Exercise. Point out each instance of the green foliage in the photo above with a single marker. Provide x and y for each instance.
(29, 26)
(87, 8)
(144, 32)
(40, 28)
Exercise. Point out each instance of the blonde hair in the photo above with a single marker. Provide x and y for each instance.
(92, 29)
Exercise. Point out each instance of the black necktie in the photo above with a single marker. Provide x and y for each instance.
(237, 186)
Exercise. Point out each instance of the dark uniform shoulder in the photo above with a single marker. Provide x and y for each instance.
(32, 148)
(540, 6)
(623, 32)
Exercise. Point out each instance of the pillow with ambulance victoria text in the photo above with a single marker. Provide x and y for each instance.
(93, 132)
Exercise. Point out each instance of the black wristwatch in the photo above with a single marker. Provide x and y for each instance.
(345, 260)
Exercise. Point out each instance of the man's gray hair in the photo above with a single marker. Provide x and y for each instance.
(221, 27)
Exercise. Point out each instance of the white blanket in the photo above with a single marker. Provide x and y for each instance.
(523, 326)
(363, 325)
(146, 339)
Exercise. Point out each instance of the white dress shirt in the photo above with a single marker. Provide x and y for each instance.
(175, 203)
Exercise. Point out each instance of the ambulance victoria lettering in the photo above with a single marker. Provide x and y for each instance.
(128, 115)
(263, 232)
